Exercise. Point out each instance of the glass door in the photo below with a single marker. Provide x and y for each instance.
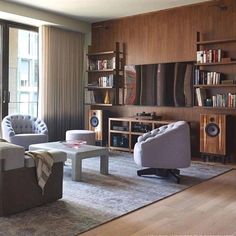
(18, 69)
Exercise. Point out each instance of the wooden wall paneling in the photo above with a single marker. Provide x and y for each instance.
(167, 35)
(137, 47)
(170, 36)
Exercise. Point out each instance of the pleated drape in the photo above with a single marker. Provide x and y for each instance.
(61, 80)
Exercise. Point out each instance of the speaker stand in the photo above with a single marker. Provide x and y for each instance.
(211, 157)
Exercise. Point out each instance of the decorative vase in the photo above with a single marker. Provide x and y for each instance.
(107, 98)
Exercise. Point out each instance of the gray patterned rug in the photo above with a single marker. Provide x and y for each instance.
(100, 198)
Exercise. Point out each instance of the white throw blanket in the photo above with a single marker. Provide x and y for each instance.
(44, 162)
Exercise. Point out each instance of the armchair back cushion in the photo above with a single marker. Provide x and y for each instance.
(24, 130)
(167, 147)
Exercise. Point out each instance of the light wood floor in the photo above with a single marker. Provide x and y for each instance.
(208, 208)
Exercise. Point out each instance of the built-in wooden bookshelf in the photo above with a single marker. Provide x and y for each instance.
(105, 77)
(214, 84)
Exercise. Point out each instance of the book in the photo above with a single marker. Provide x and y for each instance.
(201, 96)
(89, 97)
(111, 64)
(199, 56)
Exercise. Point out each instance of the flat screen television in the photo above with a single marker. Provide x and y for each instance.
(165, 84)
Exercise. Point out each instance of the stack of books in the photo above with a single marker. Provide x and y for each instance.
(209, 56)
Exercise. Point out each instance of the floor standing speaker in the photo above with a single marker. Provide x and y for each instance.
(213, 134)
(98, 123)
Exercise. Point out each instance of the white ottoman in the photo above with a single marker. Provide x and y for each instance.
(85, 135)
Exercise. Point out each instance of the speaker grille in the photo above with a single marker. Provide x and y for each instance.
(94, 121)
(212, 129)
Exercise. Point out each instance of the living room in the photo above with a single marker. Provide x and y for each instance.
(160, 61)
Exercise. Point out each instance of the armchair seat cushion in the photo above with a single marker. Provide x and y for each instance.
(25, 139)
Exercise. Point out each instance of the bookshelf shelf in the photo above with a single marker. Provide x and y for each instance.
(218, 108)
(101, 71)
(214, 85)
(208, 42)
(101, 53)
(118, 132)
(99, 104)
(98, 87)
(216, 63)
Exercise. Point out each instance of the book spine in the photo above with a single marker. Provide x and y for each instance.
(219, 52)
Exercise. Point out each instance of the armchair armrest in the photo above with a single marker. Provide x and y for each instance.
(40, 127)
(7, 129)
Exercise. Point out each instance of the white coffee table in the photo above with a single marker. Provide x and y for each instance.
(77, 155)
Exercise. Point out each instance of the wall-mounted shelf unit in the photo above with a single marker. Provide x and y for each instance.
(215, 73)
(105, 77)
(123, 132)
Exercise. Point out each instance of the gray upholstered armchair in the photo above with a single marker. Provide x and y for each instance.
(24, 130)
(164, 150)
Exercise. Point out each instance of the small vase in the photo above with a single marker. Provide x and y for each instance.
(107, 98)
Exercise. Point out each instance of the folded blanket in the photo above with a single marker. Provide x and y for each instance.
(44, 162)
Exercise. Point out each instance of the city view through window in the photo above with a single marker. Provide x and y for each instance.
(23, 71)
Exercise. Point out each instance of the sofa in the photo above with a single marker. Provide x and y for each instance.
(19, 188)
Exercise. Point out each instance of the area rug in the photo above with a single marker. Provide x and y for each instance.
(100, 198)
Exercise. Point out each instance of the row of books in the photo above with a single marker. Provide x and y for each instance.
(218, 100)
(207, 77)
(224, 100)
(209, 56)
(106, 81)
(102, 64)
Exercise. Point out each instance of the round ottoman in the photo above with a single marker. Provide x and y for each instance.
(85, 135)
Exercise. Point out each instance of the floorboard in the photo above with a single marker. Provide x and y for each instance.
(204, 209)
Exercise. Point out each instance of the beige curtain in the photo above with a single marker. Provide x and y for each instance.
(61, 80)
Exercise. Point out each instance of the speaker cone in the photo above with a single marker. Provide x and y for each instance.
(212, 129)
(94, 122)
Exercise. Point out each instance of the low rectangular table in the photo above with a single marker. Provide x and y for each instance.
(77, 155)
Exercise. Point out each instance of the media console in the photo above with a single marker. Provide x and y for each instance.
(123, 132)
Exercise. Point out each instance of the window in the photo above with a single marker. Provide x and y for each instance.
(23, 71)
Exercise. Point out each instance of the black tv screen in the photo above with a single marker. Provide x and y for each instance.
(165, 84)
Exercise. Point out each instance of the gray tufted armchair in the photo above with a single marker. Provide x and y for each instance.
(24, 130)
(164, 150)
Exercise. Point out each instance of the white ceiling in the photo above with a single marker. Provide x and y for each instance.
(99, 10)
